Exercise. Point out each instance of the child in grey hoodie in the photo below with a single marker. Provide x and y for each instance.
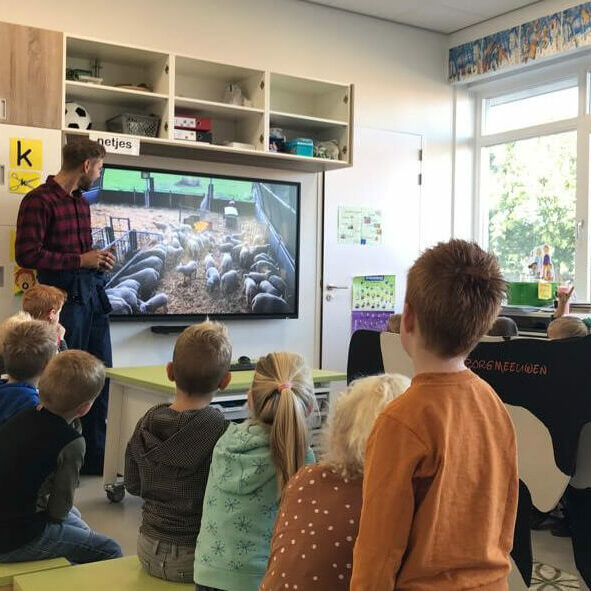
(169, 454)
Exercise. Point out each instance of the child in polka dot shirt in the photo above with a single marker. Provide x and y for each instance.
(312, 546)
(251, 464)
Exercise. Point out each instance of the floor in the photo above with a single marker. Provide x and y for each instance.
(121, 521)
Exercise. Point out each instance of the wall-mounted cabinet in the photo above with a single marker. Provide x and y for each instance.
(235, 106)
(31, 63)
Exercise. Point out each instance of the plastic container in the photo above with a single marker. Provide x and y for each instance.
(135, 124)
(300, 146)
(520, 293)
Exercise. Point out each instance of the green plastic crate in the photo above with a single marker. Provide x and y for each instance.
(521, 293)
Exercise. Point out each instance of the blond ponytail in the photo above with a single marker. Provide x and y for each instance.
(282, 395)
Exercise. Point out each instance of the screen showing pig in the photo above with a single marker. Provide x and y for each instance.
(192, 245)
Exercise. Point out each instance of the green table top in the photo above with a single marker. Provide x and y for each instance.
(121, 573)
(153, 377)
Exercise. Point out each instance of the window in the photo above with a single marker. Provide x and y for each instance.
(533, 106)
(529, 186)
(532, 145)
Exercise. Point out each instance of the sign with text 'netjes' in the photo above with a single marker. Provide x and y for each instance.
(115, 144)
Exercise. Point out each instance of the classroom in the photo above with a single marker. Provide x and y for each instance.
(319, 275)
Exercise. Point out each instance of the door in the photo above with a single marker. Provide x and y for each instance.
(31, 74)
(384, 176)
(15, 182)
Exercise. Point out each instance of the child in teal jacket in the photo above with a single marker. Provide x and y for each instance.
(251, 464)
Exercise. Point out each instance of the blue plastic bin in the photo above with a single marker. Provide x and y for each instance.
(300, 146)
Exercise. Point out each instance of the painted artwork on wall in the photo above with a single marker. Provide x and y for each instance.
(541, 37)
(576, 26)
(500, 50)
(465, 60)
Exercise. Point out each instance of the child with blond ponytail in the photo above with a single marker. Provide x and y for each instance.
(251, 465)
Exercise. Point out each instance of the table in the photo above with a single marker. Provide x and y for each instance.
(134, 390)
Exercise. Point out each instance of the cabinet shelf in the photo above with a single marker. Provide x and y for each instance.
(110, 95)
(290, 120)
(221, 110)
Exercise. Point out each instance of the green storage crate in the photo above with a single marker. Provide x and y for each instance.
(521, 293)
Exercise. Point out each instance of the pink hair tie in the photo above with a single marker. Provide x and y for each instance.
(284, 386)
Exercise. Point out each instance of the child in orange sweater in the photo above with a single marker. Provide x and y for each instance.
(440, 485)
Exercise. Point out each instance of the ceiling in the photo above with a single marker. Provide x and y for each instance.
(443, 16)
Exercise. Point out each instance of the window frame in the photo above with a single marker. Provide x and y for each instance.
(541, 75)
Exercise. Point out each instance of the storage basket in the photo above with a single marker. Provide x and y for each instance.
(135, 124)
(526, 294)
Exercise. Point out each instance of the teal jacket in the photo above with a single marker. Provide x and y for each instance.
(239, 510)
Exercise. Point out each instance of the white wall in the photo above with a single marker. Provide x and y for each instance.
(400, 84)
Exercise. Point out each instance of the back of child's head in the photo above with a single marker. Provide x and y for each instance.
(28, 347)
(71, 379)
(39, 300)
(567, 327)
(10, 322)
(394, 323)
(282, 396)
(503, 327)
(455, 290)
(352, 418)
(201, 358)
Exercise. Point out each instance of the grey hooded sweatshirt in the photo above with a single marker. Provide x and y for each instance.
(167, 462)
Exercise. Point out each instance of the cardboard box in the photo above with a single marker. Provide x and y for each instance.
(195, 122)
(192, 135)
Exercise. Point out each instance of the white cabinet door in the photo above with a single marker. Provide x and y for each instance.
(9, 201)
(385, 176)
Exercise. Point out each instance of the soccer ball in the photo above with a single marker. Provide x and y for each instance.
(77, 117)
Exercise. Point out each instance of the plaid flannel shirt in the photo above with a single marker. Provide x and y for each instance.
(53, 229)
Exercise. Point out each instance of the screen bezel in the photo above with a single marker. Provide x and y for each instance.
(151, 318)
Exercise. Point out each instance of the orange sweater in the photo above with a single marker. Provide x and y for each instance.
(440, 490)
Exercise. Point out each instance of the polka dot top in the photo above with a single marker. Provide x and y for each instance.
(315, 531)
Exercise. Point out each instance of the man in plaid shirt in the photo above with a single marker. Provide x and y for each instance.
(53, 236)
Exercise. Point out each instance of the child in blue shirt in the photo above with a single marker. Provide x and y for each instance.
(27, 347)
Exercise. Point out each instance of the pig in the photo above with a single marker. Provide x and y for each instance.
(189, 270)
(258, 277)
(265, 303)
(158, 301)
(236, 252)
(147, 263)
(260, 249)
(175, 253)
(245, 257)
(263, 267)
(119, 306)
(278, 283)
(229, 282)
(226, 263)
(250, 289)
(263, 256)
(131, 284)
(212, 280)
(159, 251)
(126, 294)
(226, 246)
(267, 287)
(147, 278)
(209, 261)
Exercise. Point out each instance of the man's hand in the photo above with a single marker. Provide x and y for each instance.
(97, 259)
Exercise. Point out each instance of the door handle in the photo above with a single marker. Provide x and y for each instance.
(330, 287)
(3, 114)
(2, 169)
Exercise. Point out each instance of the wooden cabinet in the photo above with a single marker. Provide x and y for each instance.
(163, 84)
(31, 73)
